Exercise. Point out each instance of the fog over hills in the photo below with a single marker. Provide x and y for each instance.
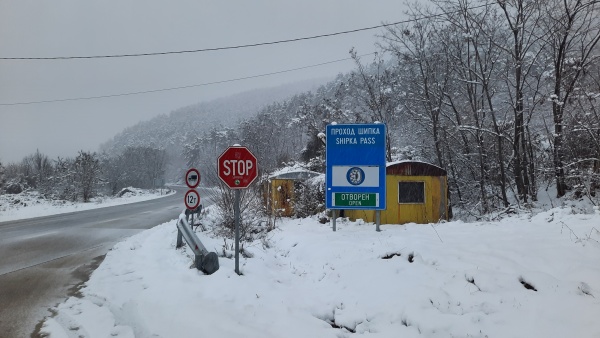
(167, 130)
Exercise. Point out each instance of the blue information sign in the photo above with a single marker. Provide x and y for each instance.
(355, 159)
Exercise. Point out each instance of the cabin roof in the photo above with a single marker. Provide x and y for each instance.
(293, 173)
(414, 168)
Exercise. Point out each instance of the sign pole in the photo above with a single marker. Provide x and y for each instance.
(333, 218)
(377, 220)
(236, 215)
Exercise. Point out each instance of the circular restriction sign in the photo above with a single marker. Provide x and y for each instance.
(192, 199)
(192, 178)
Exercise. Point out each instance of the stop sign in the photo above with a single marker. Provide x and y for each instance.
(237, 167)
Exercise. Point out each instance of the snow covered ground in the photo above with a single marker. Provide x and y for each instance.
(31, 204)
(524, 276)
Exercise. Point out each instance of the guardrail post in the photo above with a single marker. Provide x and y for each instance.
(207, 262)
(179, 239)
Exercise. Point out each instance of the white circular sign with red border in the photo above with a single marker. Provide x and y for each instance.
(192, 178)
(192, 199)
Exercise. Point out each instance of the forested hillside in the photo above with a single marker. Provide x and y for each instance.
(146, 155)
(168, 131)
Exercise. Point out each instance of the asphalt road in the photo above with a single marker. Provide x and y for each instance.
(44, 260)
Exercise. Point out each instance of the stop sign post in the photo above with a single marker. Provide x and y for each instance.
(237, 168)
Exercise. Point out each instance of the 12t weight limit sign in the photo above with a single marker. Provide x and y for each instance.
(192, 199)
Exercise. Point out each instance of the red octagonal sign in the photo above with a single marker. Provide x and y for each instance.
(237, 167)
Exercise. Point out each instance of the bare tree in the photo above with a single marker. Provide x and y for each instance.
(36, 169)
(375, 92)
(475, 61)
(523, 19)
(440, 75)
(582, 139)
(572, 32)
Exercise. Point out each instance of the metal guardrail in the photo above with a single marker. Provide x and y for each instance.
(207, 262)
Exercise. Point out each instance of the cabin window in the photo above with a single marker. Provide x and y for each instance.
(411, 192)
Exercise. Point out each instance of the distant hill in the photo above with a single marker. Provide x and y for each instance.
(167, 130)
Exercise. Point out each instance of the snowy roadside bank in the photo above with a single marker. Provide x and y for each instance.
(524, 276)
(31, 204)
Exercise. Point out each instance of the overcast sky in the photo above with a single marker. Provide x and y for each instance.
(31, 28)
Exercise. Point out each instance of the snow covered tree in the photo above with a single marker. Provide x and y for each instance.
(2, 179)
(572, 33)
(36, 170)
(424, 73)
(582, 138)
(86, 170)
(442, 100)
(63, 182)
(113, 172)
(141, 166)
(373, 87)
(313, 114)
(523, 20)
(313, 154)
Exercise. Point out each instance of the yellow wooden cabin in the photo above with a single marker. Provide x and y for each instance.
(416, 192)
(280, 189)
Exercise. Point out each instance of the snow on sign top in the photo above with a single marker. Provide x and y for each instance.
(192, 178)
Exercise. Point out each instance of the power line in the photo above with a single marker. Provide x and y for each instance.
(200, 50)
(237, 46)
(180, 87)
